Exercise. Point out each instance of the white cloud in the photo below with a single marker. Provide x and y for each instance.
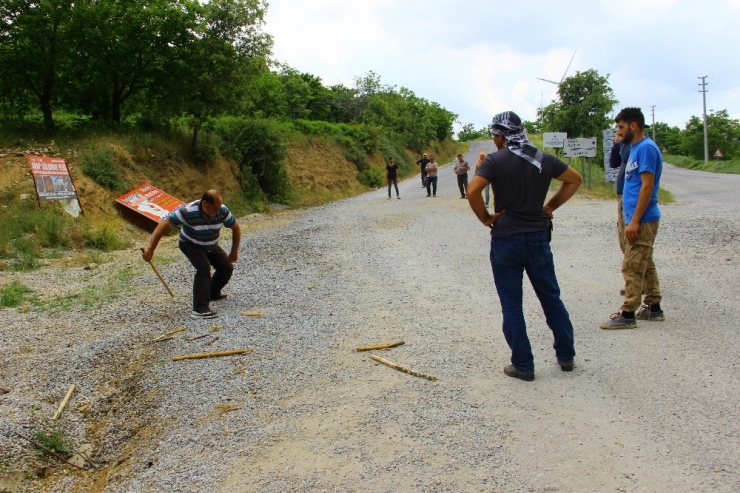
(480, 57)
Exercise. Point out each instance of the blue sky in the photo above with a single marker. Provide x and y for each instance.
(479, 57)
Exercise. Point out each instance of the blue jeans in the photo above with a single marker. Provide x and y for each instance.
(510, 257)
(488, 194)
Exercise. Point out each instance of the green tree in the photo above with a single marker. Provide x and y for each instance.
(126, 46)
(297, 93)
(723, 133)
(468, 132)
(230, 49)
(35, 49)
(667, 137)
(581, 108)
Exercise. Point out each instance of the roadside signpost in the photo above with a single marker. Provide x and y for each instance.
(554, 139)
(581, 148)
(610, 174)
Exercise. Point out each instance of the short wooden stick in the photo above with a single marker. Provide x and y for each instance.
(212, 355)
(380, 346)
(64, 401)
(191, 339)
(401, 368)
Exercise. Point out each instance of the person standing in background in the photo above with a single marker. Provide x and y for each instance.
(481, 157)
(617, 160)
(461, 170)
(423, 164)
(391, 176)
(431, 169)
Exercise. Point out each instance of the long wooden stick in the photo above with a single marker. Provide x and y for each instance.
(401, 368)
(48, 451)
(164, 283)
(212, 355)
(64, 402)
(380, 346)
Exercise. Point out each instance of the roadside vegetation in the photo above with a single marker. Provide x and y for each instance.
(183, 85)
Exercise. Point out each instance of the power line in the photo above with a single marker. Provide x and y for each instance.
(733, 71)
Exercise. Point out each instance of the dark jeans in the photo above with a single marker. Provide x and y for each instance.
(510, 257)
(431, 185)
(462, 184)
(423, 177)
(203, 285)
(393, 181)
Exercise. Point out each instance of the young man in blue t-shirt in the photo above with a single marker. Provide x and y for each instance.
(641, 216)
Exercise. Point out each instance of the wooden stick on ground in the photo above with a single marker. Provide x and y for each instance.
(64, 402)
(190, 339)
(163, 338)
(212, 355)
(252, 314)
(173, 332)
(212, 341)
(380, 346)
(35, 444)
(401, 368)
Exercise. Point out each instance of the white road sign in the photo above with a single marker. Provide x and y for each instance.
(554, 139)
(580, 147)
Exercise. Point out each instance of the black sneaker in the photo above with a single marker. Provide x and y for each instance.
(566, 365)
(203, 315)
(219, 296)
(513, 372)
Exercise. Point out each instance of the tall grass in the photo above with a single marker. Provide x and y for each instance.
(727, 166)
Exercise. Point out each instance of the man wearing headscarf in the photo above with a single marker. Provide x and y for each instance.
(520, 175)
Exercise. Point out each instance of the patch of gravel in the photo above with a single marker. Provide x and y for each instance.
(654, 409)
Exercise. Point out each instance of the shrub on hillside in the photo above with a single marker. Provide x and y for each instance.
(257, 146)
(103, 166)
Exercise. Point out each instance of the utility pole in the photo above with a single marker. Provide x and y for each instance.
(652, 112)
(703, 90)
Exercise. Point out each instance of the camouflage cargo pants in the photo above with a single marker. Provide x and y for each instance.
(638, 269)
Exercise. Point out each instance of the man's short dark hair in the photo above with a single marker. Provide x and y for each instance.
(631, 115)
(459, 155)
(209, 197)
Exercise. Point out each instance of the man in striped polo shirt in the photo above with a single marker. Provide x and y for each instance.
(201, 222)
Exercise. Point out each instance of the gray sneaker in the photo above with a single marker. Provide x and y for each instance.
(646, 313)
(617, 321)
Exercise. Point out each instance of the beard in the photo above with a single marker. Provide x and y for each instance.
(627, 137)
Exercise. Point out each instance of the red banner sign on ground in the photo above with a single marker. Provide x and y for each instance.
(51, 176)
(150, 201)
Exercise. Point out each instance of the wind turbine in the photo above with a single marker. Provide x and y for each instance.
(564, 73)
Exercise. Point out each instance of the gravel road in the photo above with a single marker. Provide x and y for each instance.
(648, 410)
